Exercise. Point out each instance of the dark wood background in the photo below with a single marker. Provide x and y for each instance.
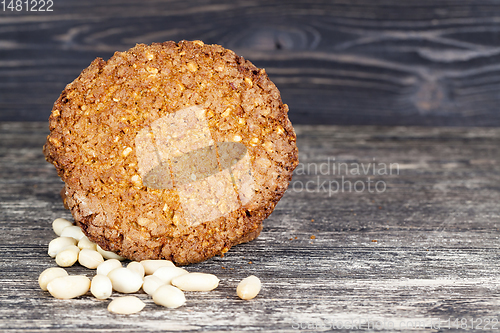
(340, 62)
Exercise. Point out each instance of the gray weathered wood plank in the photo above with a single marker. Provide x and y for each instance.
(424, 250)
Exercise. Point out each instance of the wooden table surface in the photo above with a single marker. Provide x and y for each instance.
(421, 251)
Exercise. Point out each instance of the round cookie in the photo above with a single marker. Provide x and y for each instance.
(172, 150)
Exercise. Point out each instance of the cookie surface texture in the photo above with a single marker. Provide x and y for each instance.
(173, 150)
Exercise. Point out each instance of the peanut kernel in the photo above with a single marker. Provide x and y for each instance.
(59, 224)
(248, 288)
(67, 287)
(126, 305)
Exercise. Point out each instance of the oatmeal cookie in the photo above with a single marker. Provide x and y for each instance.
(172, 150)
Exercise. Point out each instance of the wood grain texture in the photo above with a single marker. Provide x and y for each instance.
(335, 62)
(426, 249)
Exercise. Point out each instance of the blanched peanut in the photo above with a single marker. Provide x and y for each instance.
(68, 256)
(249, 287)
(59, 224)
(107, 266)
(136, 267)
(125, 280)
(109, 254)
(126, 305)
(85, 243)
(59, 243)
(50, 274)
(151, 283)
(150, 266)
(90, 258)
(196, 282)
(67, 287)
(168, 273)
(169, 296)
(101, 287)
(73, 232)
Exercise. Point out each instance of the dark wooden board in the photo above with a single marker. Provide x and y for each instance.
(336, 62)
(424, 250)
